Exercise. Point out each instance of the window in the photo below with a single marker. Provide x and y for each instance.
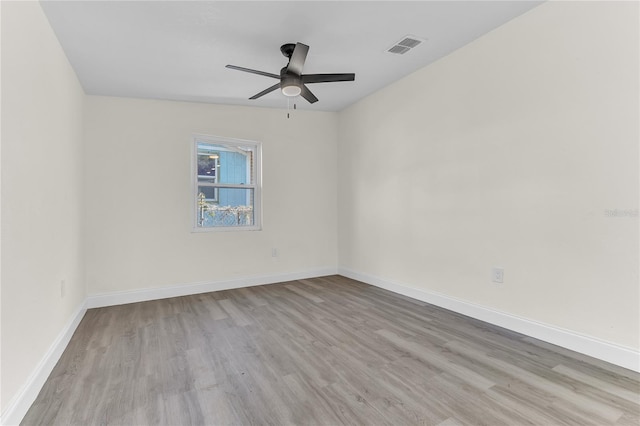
(226, 184)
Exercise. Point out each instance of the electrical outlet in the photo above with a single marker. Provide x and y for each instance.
(497, 275)
(63, 289)
(274, 252)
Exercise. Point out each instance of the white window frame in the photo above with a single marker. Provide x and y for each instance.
(256, 185)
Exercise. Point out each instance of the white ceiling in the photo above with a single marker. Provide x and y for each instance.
(178, 50)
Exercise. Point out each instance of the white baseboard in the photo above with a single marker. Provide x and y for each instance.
(597, 348)
(123, 297)
(21, 402)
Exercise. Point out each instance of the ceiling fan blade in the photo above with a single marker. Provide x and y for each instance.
(327, 78)
(306, 93)
(265, 91)
(266, 74)
(299, 55)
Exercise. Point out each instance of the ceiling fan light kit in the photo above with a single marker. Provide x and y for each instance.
(290, 87)
(292, 81)
(291, 90)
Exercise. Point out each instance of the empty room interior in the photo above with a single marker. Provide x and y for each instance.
(320, 213)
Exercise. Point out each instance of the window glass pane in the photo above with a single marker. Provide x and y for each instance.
(210, 193)
(208, 163)
(218, 163)
(225, 207)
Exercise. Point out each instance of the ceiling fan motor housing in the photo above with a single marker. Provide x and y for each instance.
(290, 83)
(284, 72)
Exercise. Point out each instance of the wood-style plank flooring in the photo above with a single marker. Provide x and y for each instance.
(323, 351)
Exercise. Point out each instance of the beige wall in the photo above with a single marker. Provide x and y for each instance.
(42, 105)
(138, 195)
(507, 153)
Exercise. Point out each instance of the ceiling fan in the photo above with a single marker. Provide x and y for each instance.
(292, 81)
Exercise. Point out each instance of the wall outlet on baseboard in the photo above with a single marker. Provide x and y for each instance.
(497, 275)
(274, 252)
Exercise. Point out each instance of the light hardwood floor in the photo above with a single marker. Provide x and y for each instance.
(323, 351)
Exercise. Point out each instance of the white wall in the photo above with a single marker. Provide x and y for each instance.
(42, 105)
(138, 196)
(507, 153)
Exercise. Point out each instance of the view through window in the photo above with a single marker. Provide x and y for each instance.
(227, 184)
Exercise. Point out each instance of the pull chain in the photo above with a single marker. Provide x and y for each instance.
(289, 107)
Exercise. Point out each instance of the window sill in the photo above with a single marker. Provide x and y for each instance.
(225, 229)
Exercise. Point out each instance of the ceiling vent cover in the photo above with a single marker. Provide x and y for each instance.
(400, 50)
(409, 42)
(405, 44)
